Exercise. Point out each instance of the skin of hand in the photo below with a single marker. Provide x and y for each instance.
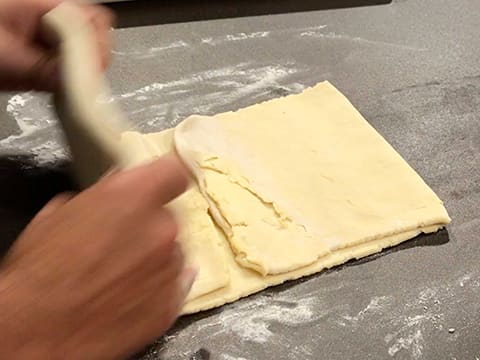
(98, 275)
(27, 60)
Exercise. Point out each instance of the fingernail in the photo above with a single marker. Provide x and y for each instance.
(188, 277)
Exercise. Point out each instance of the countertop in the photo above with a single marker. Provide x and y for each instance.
(411, 67)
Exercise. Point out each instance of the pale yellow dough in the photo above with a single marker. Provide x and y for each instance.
(201, 242)
(295, 185)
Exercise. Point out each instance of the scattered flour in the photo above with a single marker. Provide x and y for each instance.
(408, 324)
(49, 152)
(335, 36)
(406, 329)
(250, 320)
(151, 52)
(235, 37)
(242, 36)
(413, 343)
(154, 106)
(261, 321)
(464, 280)
(233, 77)
(469, 280)
(163, 104)
(410, 334)
(38, 134)
(312, 31)
(147, 53)
(376, 305)
(26, 121)
(159, 105)
(229, 357)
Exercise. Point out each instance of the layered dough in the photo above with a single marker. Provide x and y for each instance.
(285, 189)
(201, 242)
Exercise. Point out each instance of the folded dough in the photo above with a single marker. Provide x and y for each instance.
(200, 240)
(296, 185)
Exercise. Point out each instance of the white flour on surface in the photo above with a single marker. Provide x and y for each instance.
(146, 53)
(235, 37)
(256, 316)
(229, 357)
(163, 104)
(412, 343)
(313, 32)
(406, 327)
(241, 36)
(251, 321)
(159, 105)
(335, 36)
(151, 52)
(24, 107)
(423, 316)
(234, 78)
(155, 106)
(375, 306)
(38, 134)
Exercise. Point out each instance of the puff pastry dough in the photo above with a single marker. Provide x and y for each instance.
(296, 185)
(284, 189)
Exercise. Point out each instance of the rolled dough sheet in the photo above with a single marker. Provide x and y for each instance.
(294, 179)
(295, 185)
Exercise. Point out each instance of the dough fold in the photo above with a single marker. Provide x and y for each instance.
(200, 240)
(295, 185)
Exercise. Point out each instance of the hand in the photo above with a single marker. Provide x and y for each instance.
(26, 61)
(98, 275)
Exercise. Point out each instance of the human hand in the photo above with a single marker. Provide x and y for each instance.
(98, 275)
(27, 60)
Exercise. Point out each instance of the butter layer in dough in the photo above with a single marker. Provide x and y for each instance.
(198, 237)
(294, 179)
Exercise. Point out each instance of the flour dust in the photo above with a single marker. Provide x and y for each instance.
(395, 328)
(153, 107)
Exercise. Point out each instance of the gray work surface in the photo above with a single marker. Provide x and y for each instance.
(413, 69)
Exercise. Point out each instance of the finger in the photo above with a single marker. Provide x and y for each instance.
(104, 45)
(164, 308)
(104, 16)
(46, 73)
(155, 316)
(160, 254)
(156, 183)
(161, 299)
(187, 278)
(102, 23)
(173, 304)
(102, 20)
(158, 274)
(108, 174)
(145, 280)
(52, 206)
